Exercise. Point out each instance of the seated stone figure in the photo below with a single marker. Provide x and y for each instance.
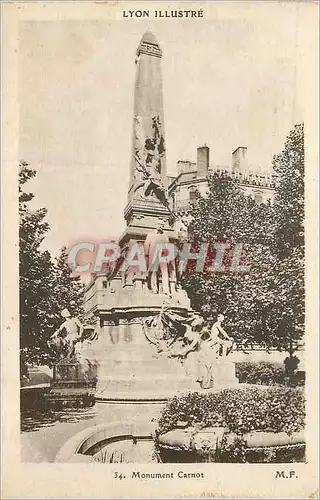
(68, 334)
(219, 340)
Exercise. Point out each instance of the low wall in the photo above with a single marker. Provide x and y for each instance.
(191, 445)
(75, 449)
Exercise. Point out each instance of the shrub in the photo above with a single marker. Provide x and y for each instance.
(264, 373)
(240, 410)
(291, 364)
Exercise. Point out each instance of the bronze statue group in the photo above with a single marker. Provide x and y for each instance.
(198, 344)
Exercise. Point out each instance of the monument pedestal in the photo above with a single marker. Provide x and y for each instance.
(130, 368)
(224, 373)
(73, 384)
(138, 374)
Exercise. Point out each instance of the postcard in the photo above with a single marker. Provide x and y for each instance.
(160, 249)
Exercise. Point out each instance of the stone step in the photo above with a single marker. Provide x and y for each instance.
(119, 352)
(136, 371)
(152, 387)
(105, 371)
(156, 377)
(135, 397)
(153, 365)
(127, 356)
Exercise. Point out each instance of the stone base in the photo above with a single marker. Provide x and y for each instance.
(73, 384)
(224, 373)
(130, 367)
(136, 373)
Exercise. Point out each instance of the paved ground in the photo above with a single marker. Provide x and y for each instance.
(44, 433)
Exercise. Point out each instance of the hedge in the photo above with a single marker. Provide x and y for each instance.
(240, 411)
(266, 373)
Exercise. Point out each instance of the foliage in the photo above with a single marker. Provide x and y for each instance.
(46, 286)
(291, 364)
(289, 308)
(69, 290)
(289, 197)
(262, 373)
(36, 275)
(266, 373)
(227, 214)
(264, 306)
(275, 409)
(239, 411)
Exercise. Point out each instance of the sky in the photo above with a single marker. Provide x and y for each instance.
(231, 81)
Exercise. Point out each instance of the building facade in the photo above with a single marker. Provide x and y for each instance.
(192, 178)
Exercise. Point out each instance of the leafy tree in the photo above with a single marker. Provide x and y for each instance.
(226, 215)
(265, 305)
(270, 304)
(36, 275)
(69, 290)
(289, 308)
(46, 286)
(277, 293)
(289, 196)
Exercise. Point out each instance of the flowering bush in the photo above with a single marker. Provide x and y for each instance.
(240, 410)
(264, 373)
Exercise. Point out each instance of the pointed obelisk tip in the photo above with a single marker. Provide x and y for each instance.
(149, 37)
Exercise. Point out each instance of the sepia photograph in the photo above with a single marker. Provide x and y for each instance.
(164, 262)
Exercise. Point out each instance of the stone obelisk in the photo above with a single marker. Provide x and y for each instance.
(147, 200)
(130, 364)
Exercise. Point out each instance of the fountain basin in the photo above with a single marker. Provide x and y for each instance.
(192, 445)
(115, 442)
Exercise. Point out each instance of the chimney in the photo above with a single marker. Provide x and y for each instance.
(239, 159)
(185, 167)
(203, 161)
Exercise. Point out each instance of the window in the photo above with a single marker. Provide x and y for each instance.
(193, 194)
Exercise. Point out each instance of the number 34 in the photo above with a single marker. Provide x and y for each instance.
(118, 475)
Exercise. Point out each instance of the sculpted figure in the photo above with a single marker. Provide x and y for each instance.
(182, 229)
(193, 362)
(128, 272)
(149, 154)
(202, 349)
(152, 182)
(67, 335)
(153, 329)
(189, 348)
(219, 340)
(153, 242)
